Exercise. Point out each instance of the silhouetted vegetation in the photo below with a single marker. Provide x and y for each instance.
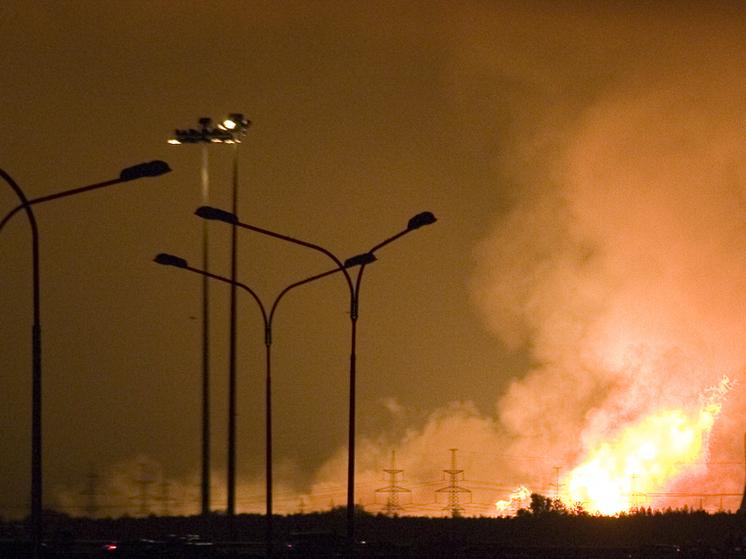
(547, 528)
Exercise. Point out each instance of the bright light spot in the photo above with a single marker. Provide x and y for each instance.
(644, 456)
(518, 499)
(647, 451)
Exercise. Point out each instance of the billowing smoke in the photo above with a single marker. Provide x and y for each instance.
(621, 261)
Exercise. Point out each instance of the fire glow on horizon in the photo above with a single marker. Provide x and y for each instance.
(615, 269)
(518, 499)
(618, 474)
(645, 455)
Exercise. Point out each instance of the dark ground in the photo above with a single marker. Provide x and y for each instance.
(685, 534)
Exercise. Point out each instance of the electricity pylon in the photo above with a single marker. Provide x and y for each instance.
(392, 506)
(91, 492)
(144, 482)
(453, 489)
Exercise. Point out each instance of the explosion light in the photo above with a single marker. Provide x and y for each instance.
(644, 455)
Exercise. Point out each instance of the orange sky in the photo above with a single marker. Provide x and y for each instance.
(586, 167)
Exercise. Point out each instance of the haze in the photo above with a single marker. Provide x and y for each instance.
(585, 163)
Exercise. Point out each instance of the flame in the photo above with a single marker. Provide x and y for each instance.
(515, 501)
(618, 474)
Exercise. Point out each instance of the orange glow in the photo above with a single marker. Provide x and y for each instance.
(518, 499)
(646, 455)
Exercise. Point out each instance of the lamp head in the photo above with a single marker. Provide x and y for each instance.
(221, 136)
(151, 169)
(188, 136)
(425, 218)
(360, 260)
(235, 123)
(208, 212)
(170, 260)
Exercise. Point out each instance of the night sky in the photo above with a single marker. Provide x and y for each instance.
(585, 162)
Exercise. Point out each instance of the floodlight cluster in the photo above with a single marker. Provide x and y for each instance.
(227, 132)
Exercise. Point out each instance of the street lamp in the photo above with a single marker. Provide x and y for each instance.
(151, 169)
(359, 260)
(227, 132)
(420, 220)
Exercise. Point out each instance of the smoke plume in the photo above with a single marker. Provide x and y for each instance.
(622, 261)
(617, 132)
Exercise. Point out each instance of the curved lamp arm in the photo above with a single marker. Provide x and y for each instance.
(171, 260)
(151, 169)
(207, 212)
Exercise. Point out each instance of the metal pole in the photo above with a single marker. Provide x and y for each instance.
(152, 169)
(226, 132)
(350, 541)
(231, 509)
(171, 260)
(37, 523)
(424, 218)
(268, 409)
(205, 345)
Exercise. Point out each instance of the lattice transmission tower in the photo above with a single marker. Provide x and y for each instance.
(557, 486)
(91, 493)
(165, 498)
(637, 498)
(392, 506)
(453, 489)
(146, 480)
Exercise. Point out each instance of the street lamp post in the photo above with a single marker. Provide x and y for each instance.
(359, 260)
(151, 169)
(424, 218)
(227, 132)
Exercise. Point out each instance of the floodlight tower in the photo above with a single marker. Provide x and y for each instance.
(227, 132)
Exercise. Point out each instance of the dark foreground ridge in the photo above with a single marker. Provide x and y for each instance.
(681, 534)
